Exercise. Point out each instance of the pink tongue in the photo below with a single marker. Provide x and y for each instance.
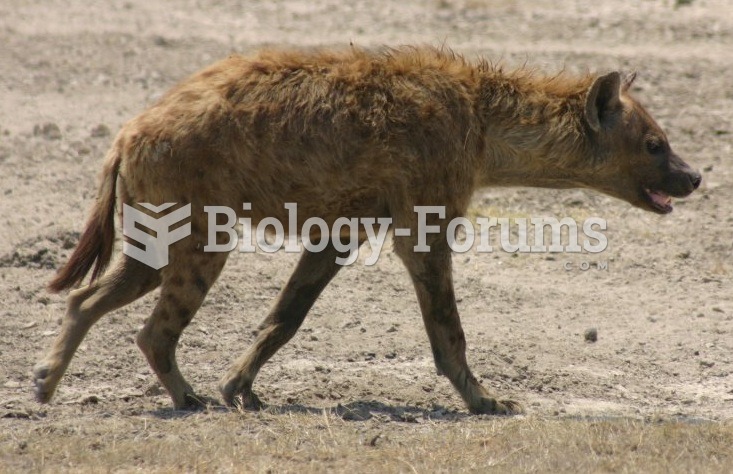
(660, 198)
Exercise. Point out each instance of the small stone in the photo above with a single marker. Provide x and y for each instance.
(353, 414)
(154, 390)
(373, 441)
(49, 131)
(100, 131)
(408, 417)
(591, 335)
(161, 41)
(90, 400)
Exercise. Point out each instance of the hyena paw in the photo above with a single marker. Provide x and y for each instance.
(249, 401)
(44, 388)
(241, 397)
(193, 402)
(492, 406)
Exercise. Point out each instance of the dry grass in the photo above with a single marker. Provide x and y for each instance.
(221, 441)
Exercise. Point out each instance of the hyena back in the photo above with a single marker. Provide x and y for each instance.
(347, 134)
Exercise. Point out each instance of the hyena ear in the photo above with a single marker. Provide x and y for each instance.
(628, 80)
(603, 100)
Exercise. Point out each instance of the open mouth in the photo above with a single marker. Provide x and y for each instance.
(660, 201)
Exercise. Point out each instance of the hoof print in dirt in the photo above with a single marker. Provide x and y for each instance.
(40, 252)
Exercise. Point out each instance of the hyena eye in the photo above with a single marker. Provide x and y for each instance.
(654, 146)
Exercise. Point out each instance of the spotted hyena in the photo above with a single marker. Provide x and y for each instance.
(348, 133)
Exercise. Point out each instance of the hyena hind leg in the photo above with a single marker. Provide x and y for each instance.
(185, 283)
(313, 272)
(127, 281)
(431, 276)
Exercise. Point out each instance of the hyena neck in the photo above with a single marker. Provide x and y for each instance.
(533, 130)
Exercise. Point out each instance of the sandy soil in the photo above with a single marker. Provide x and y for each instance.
(71, 72)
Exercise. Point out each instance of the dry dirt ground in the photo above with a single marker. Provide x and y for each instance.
(356, 389)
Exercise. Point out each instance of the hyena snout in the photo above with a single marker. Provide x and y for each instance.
(677, 180)
(695, 179)
(681, 180)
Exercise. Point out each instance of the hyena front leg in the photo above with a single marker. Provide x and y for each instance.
(431, 276)
(313, 272)
(185, 283)
(127, 281)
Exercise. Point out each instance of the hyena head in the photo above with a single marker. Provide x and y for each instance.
(632, 158)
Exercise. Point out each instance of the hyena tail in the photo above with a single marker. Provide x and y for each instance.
(97, 241)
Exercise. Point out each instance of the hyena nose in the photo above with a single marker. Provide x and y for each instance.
(695, 179)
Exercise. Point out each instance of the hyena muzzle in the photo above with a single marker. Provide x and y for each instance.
(348, 133)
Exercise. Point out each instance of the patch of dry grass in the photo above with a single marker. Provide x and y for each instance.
(225, 441)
